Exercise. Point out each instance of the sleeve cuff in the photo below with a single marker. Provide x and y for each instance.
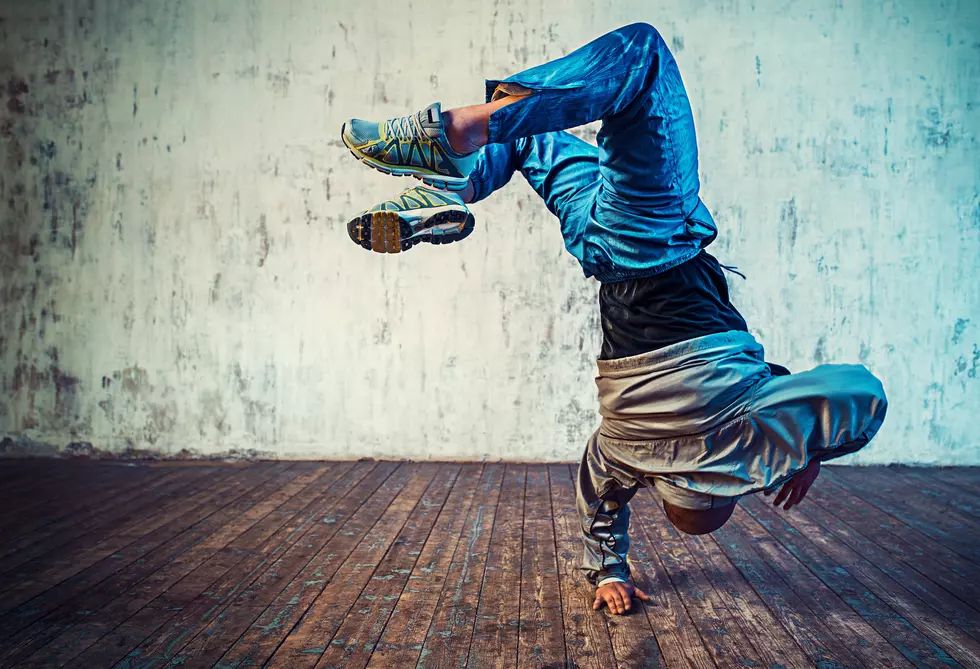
(610, 579)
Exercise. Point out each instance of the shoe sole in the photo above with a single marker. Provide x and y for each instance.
(388, 232)
(455, 184)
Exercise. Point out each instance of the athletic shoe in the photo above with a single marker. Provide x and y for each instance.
(416, 215)
(414, 145)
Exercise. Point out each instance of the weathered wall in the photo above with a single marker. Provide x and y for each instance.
(176, 272)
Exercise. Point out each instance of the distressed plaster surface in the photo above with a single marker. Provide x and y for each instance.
(173, 195)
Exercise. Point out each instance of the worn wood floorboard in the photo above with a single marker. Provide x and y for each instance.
(929, 558)
(155, 593)
(919, 512)
(447, 641)
(401, 640)
(222, 548)
(772, 641)
(112, 580)
(316, 565)
(842, 579)
(498, 614)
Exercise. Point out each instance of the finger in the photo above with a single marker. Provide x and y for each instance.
(597, 604)
(623, 597)
(781, 495)
(790, 500)
(628, 597)
(803, 494)
(617, 600)
(641, 595)
(794, 499)
(620, 601)
(783, 492)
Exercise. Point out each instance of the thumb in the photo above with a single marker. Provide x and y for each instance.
(597, 604)
(641, 595)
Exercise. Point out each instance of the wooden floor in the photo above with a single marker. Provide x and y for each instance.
(379, 564)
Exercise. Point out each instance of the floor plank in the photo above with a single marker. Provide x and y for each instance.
(541, 642)
(495, 634)
(772, 641)
(632, 639)
(96, 542)
(212, 642)
(66, 493)
(959, 494)
(196, 566)
(447, 641)
(917, 491)
(896, 628)
(358, 634)
(44, 521)
(821, 644)
(921, 513)
(306, 641)
(31, 561)
(401, 640)
(390, 565)
(954, 597)
(873, 572)
(290, 587)
(843, 621)
(727, 642)
(947, 569)
(962, 568)
(70, 605)
(964, 479)
(677, 636)
(153, 594)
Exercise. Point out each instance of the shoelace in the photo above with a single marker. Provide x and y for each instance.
(402, 128)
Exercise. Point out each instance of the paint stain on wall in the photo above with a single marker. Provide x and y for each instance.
(789, 220)
(959, 329)
(936, 131)
(16, 90)
(263, 238)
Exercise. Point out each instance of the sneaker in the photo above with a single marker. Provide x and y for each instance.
(416, 215)
(414, 145)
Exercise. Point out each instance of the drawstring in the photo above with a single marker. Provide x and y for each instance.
(734, 270)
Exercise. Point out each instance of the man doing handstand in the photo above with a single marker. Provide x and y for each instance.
(688, 403)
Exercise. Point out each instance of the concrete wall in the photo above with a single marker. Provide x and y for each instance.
(176, 272)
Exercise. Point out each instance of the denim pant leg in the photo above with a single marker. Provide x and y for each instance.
(647, 215)
(561, 168)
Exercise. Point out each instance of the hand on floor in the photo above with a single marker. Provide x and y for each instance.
(794, 490)
(618, 597)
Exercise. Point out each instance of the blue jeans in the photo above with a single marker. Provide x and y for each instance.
(629, 208)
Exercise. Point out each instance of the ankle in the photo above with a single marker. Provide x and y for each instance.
(463, 132)
(468, 193)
